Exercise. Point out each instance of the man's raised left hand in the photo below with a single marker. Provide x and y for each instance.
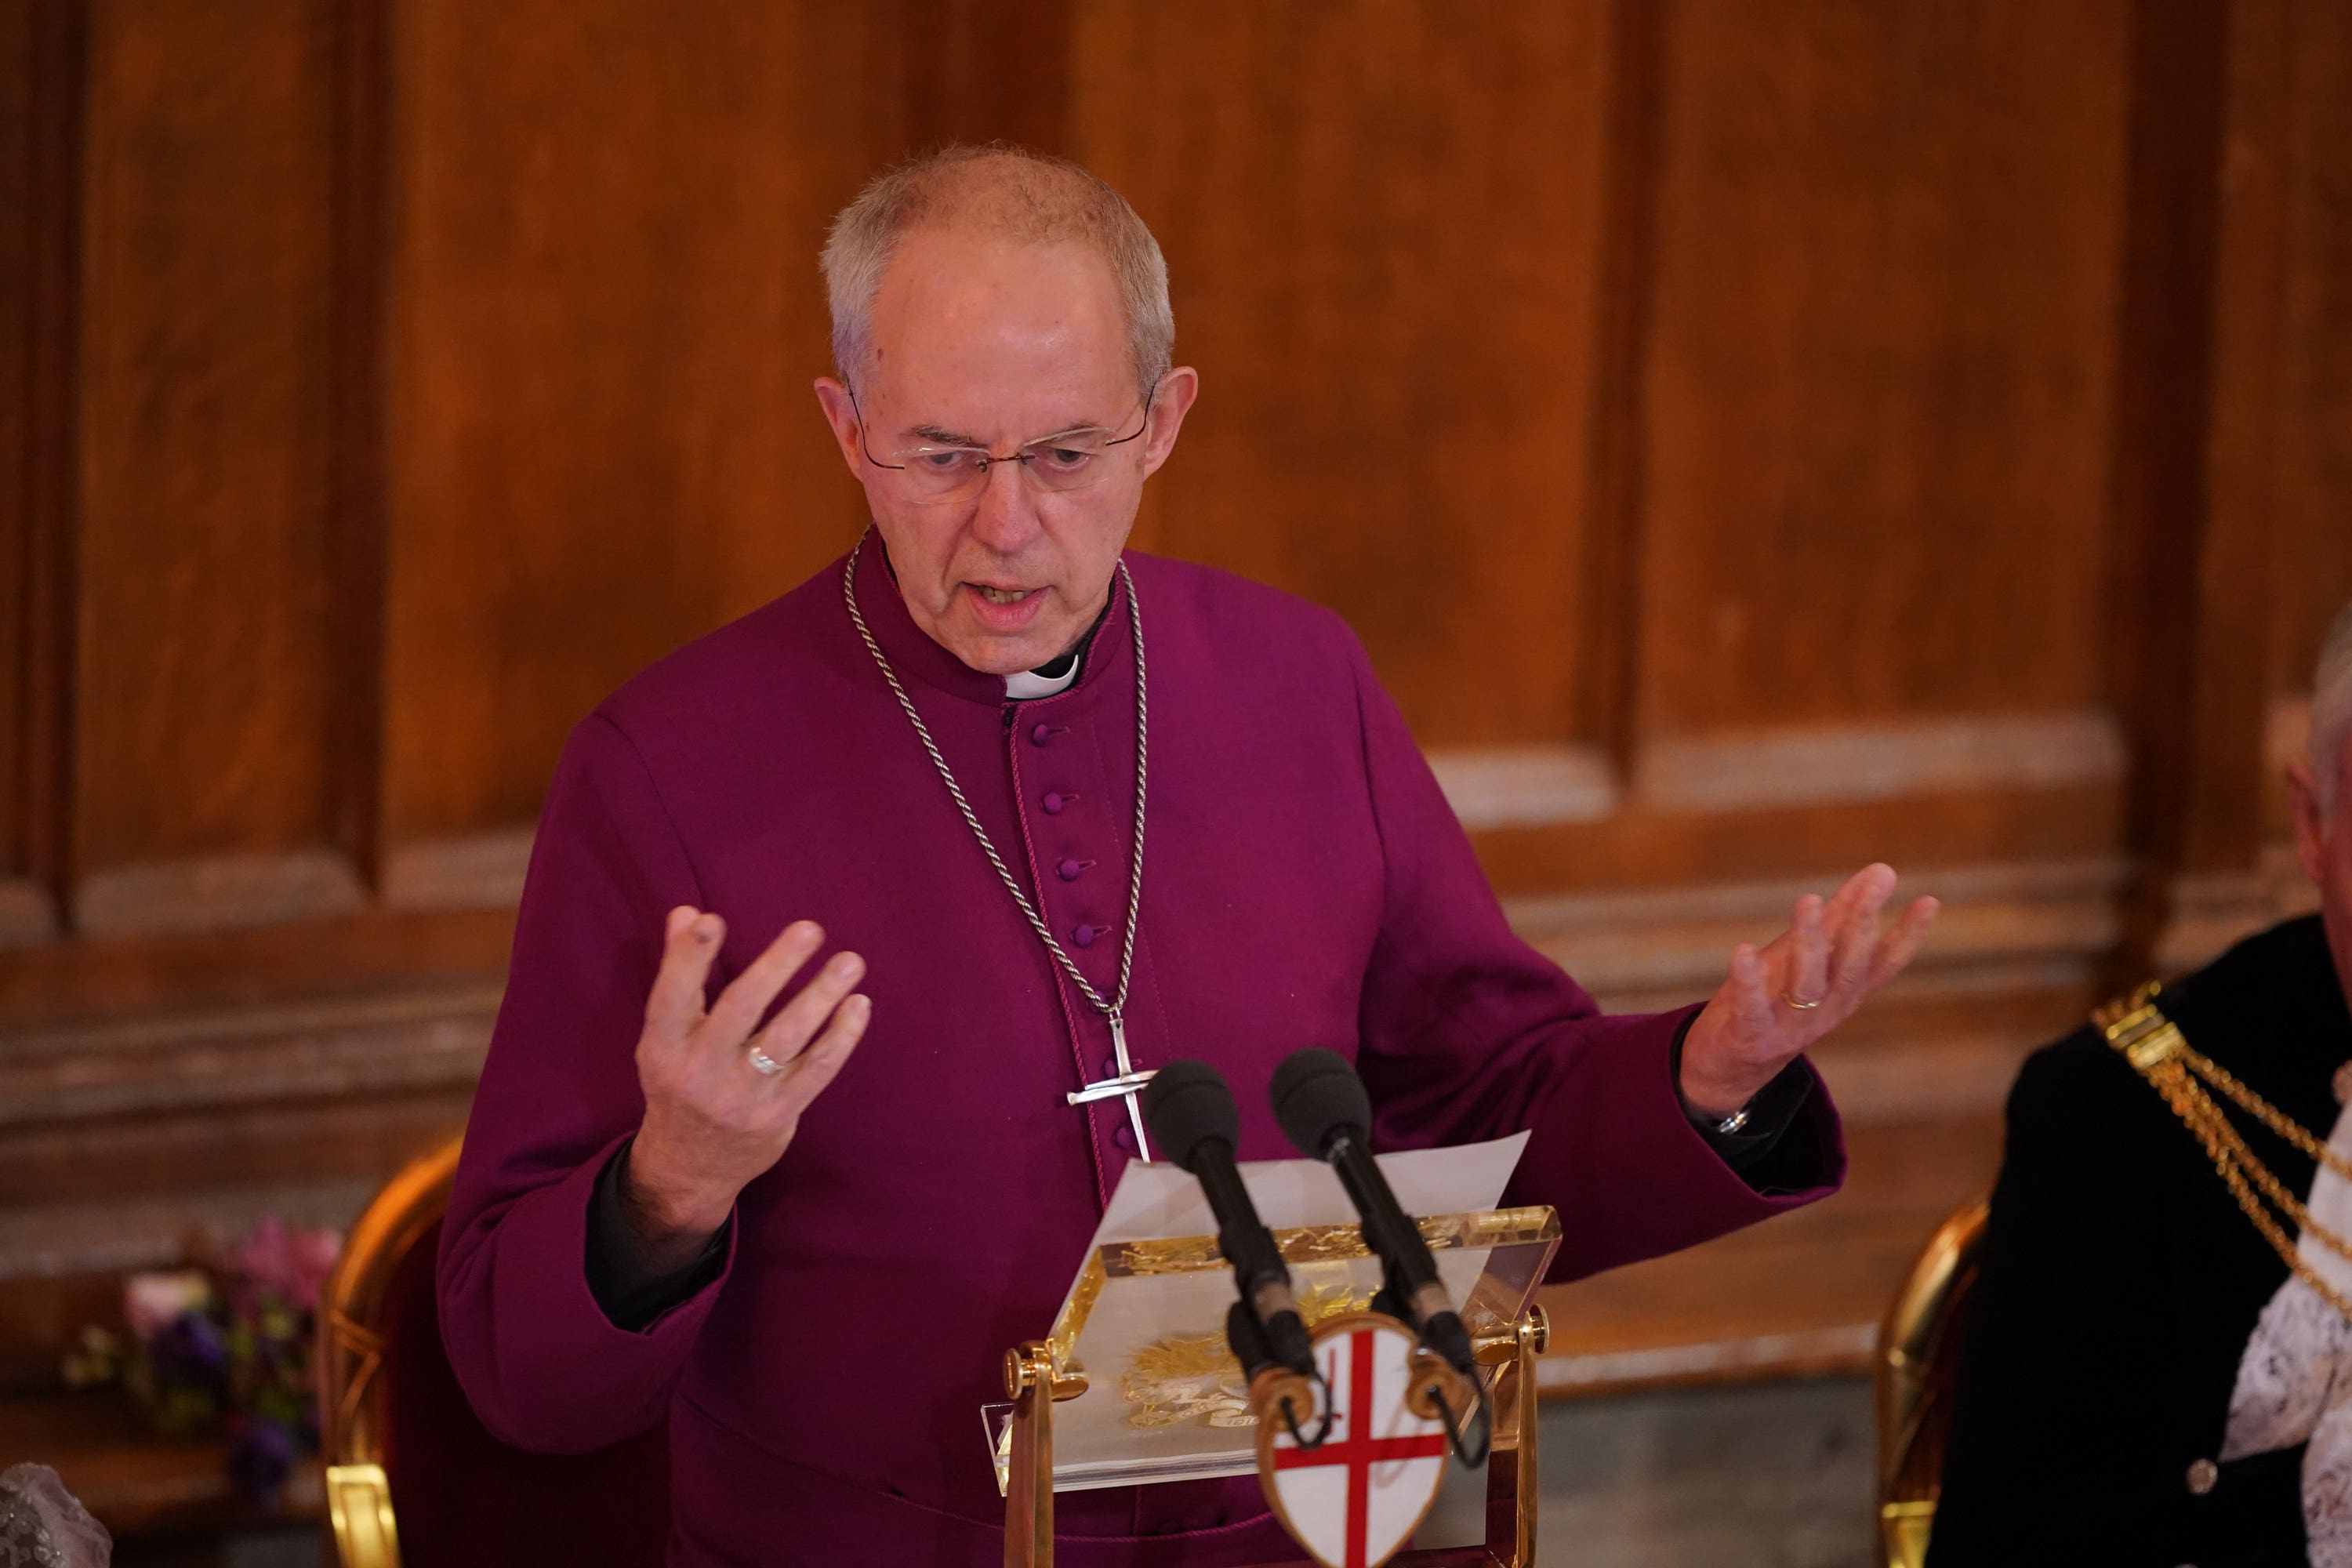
(1782, 997)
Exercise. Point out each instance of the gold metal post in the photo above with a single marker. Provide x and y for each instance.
(1533, 1334)
(1029, 1494)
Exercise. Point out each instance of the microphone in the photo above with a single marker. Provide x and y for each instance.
(1323, 1110)
(1191, 1115)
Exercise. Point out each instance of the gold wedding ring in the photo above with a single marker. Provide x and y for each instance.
(1803, 1007)
(761, 1062)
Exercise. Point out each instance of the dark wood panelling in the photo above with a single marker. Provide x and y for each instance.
(1777, 391)
(976, 71)
(2255, 266)
(1751, 438)
(17, 246)
(2182, 647)
(1609, 576)
(161, 1102)
(605, 318)
(2313, 485)
(356, 473)
(201, 695)
(168, 971)
(1382, 222)
(1881, 365)
(41, 102)
(1641, 847)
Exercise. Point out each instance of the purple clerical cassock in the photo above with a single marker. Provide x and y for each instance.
(1305, 884)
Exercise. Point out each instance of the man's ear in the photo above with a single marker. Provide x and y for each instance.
(1174, 399)
(841, 414)
(2310, 826)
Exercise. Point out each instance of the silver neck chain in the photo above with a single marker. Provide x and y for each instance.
(1114, 1009)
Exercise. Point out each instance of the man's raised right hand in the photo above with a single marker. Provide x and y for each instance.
(713, 1120)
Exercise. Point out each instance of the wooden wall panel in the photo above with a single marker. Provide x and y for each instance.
(1744, 435)
(17, 244)
(1841, 283)
(2185, 642)
(1880, 375)
(2312, 478)
(40, 118)
(605, 318)
(2194, 440)
(201, 698)
(1382, 222)
(986, 71)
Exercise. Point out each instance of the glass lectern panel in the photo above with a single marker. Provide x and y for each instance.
(1145, 1325)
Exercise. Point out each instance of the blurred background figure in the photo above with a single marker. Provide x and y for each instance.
(41, 1525)
(1749, 439)
(2156, 1365)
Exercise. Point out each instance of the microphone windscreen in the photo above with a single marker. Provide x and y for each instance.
(1316, 1094)
(1185, 1104)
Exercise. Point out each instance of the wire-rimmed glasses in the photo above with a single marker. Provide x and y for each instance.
(936, 473)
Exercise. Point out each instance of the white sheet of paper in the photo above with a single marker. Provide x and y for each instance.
(1161, 1200)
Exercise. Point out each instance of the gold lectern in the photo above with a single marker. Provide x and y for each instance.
(1150, 1393)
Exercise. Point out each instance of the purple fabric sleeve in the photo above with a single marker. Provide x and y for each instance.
(544, 1367)
(1469, 1033)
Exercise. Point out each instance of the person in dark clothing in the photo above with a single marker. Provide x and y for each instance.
(2151, 1374)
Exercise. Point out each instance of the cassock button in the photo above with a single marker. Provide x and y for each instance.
(1053, 805)
(1037, 736)
(1084, 936)
(1110, 1067)
(2203, 1476)
(1124, 1136)
(1072, 871)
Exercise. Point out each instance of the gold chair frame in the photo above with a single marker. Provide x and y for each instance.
(1917, 1354)
(361, 1532)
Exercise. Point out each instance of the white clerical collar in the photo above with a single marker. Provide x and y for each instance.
(1031, 683)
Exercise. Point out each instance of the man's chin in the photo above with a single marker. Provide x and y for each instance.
(1002, 655)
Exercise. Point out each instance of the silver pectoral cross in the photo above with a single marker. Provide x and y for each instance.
(1128, 1083)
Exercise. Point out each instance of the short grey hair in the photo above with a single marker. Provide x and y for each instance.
(2331, 710)
(1009, 190)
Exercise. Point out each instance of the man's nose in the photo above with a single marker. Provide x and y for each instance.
(1006, 515)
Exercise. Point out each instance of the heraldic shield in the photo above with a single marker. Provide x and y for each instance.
(1136, 1383)
(1356, 1497)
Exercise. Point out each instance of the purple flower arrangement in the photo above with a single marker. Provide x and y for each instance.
(224, 1352)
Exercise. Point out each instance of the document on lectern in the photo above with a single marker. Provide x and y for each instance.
(1144, 1322)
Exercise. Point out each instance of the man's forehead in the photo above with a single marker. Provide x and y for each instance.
(981, 340)
(975, 285)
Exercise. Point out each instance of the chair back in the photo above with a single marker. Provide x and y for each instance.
(413, 1477)
(1917, 1366)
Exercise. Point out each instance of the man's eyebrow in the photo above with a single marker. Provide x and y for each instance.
(1072, 428)
(941, 436)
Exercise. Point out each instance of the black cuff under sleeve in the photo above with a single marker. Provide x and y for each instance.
(628, 1290)
(1769, 1115)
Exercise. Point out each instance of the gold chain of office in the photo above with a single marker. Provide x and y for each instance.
(2154, 1044)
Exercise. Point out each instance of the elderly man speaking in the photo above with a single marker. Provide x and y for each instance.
(1001, 811)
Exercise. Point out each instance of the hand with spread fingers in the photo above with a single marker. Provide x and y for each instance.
(1807, 981)
(723, 1095)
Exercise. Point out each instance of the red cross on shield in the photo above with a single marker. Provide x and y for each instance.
(1355, 1500)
